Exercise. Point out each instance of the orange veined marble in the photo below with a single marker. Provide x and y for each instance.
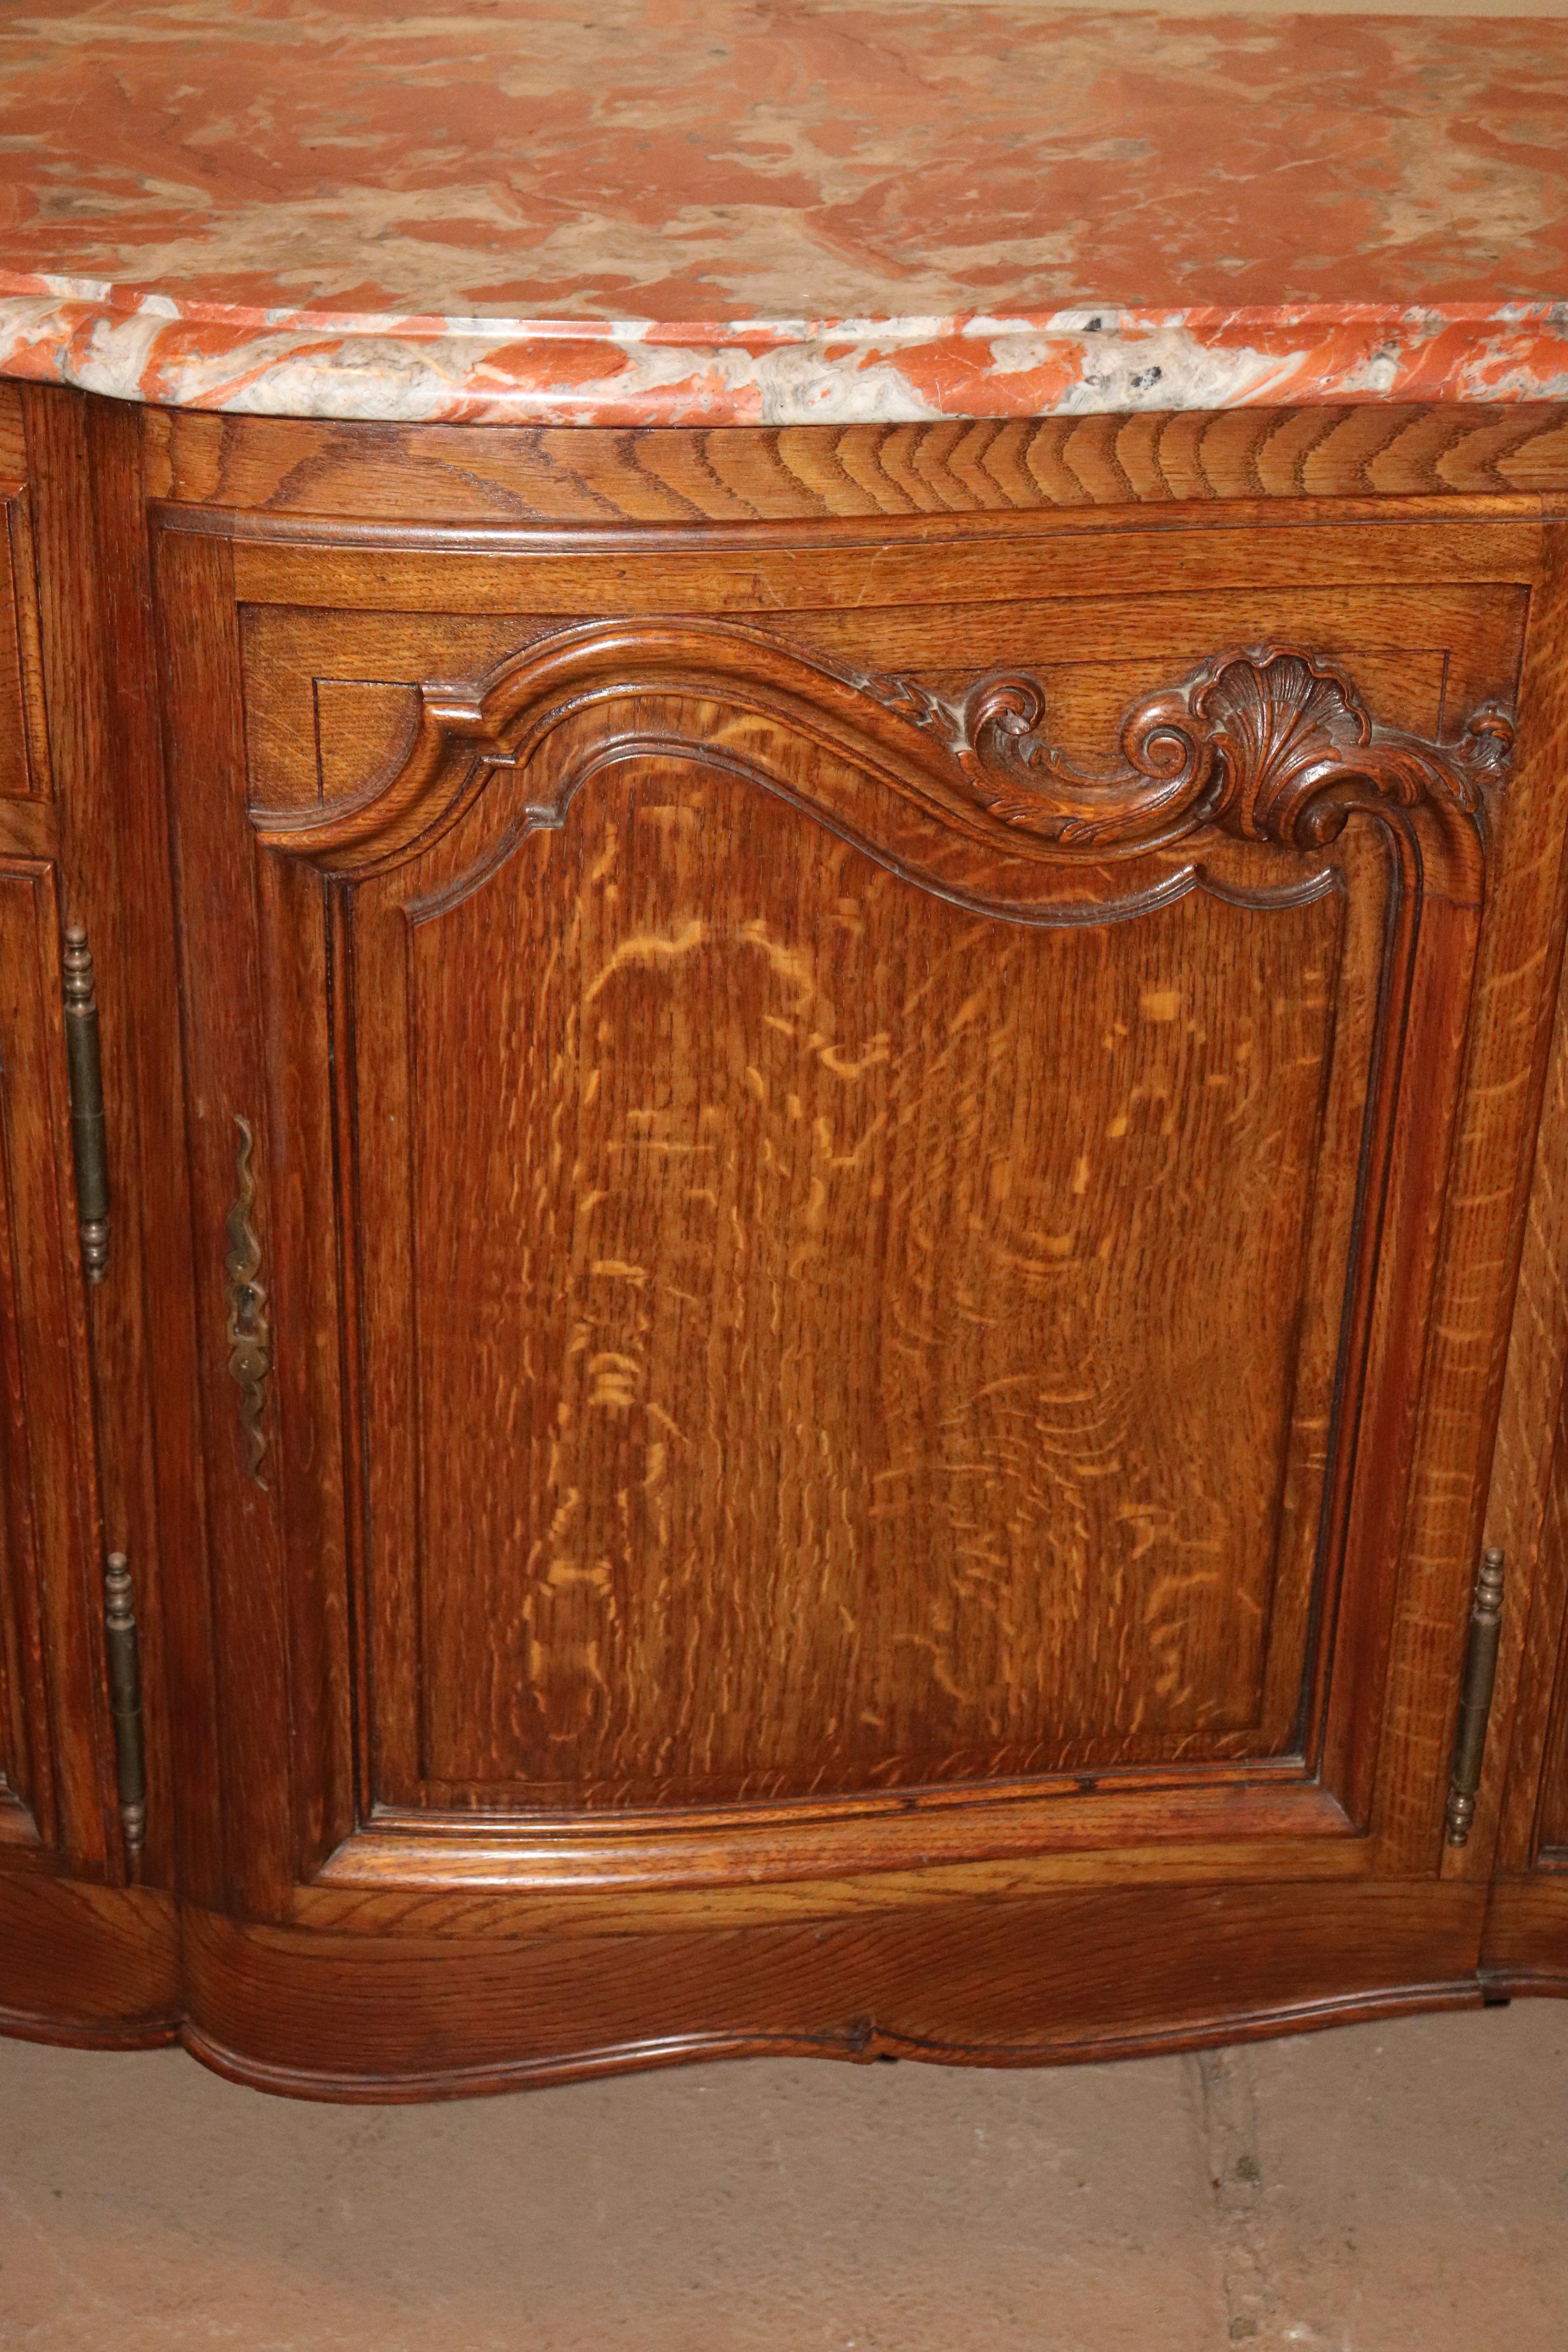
(681, 212)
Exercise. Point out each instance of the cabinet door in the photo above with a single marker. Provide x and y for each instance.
(52, 1797)
(838, 1190)
(88, 1947)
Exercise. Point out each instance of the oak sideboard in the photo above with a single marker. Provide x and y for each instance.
(782, 1251)
(784, 1101)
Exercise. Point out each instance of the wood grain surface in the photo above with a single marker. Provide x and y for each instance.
(876, 1093)
(51, 1722)
(830, 1320)
(894, 1320)
(500, 473)
(1004, 1983)
(95, 1966)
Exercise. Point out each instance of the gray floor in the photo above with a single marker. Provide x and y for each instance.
(1401, 2188)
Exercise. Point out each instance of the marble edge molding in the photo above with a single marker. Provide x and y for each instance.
(127, 343)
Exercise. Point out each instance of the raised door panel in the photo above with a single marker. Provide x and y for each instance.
(826, 1354)
(818, 1234)
(51, 1800)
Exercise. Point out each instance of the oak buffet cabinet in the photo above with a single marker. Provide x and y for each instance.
(783, 1235)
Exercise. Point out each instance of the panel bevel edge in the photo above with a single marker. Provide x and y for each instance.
(298, 832)
(1057, 1836)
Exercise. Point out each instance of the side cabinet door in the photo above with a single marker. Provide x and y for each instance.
(52, 1797)
(854, 1197)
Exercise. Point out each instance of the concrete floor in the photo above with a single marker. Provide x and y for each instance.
(1398, 2187)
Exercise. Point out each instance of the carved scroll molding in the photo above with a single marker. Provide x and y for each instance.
(1270, 743)
(248, 1328)
(1273, 745)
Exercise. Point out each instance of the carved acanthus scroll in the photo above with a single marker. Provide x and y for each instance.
(1272, 745)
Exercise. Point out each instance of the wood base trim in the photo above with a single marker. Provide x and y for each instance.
(699, 2049)
(1063, 1977)
(1500, 1985)
(93, 1967)
(1525, 1947)
(105, 2033)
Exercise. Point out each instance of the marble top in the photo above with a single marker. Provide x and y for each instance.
(721, 211)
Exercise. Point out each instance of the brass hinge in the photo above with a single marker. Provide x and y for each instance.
(85, 1066)
(1476, 1696)
(123, 1653)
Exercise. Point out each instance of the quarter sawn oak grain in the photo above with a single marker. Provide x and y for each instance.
(891, 1076)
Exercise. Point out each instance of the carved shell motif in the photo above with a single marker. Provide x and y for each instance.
(1273, 745)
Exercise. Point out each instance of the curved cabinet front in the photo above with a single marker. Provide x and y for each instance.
(848, 1324)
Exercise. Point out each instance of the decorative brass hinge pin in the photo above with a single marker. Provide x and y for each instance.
(124, 1658)
(85, 1066)
(1476, 1696)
